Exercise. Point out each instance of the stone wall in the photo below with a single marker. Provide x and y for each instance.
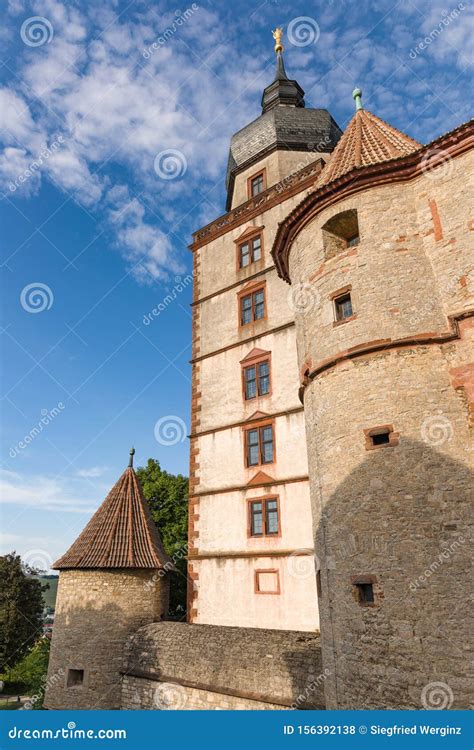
(396, 517)
(96, 611)
(180, 666)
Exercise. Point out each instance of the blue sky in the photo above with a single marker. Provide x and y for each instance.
(125, 111)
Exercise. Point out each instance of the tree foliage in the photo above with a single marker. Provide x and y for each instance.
(29, 675)
(167, 496)
(21, 609)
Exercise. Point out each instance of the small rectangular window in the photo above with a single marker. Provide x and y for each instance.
(365, 593)
(253, 448)
(264, 517)
(259, 446)
(244, 255)
(343, 306)
(256, 248)
(250, 382)
(271, 517)
(382, 438)
(256, 185)
(250, 251)
(256, 519)
(252, 307)
(257, 380)
(75, 677)
(263, 378)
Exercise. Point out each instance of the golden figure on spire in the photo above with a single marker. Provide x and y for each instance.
(277, 35)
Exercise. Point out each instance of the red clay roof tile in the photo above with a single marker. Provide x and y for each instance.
(120, 534)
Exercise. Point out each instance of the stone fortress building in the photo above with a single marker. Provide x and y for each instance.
(373, 339)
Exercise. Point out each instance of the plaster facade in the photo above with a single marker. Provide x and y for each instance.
(224, 557)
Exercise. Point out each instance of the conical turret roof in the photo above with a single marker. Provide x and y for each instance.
(366, 140)
(120, 534)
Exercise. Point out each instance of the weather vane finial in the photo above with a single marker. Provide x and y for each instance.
(132, 453)
(277, 35)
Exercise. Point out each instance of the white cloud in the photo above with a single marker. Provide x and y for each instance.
(41, 492)
(117, 109)
(91, 472)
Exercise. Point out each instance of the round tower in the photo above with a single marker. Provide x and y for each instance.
(112, 580)
(377, 258)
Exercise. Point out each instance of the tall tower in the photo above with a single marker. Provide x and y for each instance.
(113, 580)
(250, 540)
(380, 249)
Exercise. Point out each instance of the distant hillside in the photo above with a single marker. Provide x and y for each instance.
(49, 596)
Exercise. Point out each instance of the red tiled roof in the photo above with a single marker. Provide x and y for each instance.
(120, 534)
(366, 140)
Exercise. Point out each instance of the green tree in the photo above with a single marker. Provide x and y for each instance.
(29, 675)
(21, 609)
(167, 496)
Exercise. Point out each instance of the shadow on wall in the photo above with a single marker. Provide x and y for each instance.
(273, 667)
(393, 546)
(88, 649)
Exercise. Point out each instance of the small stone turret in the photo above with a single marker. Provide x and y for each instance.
(113, 580)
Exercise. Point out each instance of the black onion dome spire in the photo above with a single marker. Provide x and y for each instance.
(282, 90)
(285, 123)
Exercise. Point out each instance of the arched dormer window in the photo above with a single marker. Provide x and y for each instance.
(340, 232)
